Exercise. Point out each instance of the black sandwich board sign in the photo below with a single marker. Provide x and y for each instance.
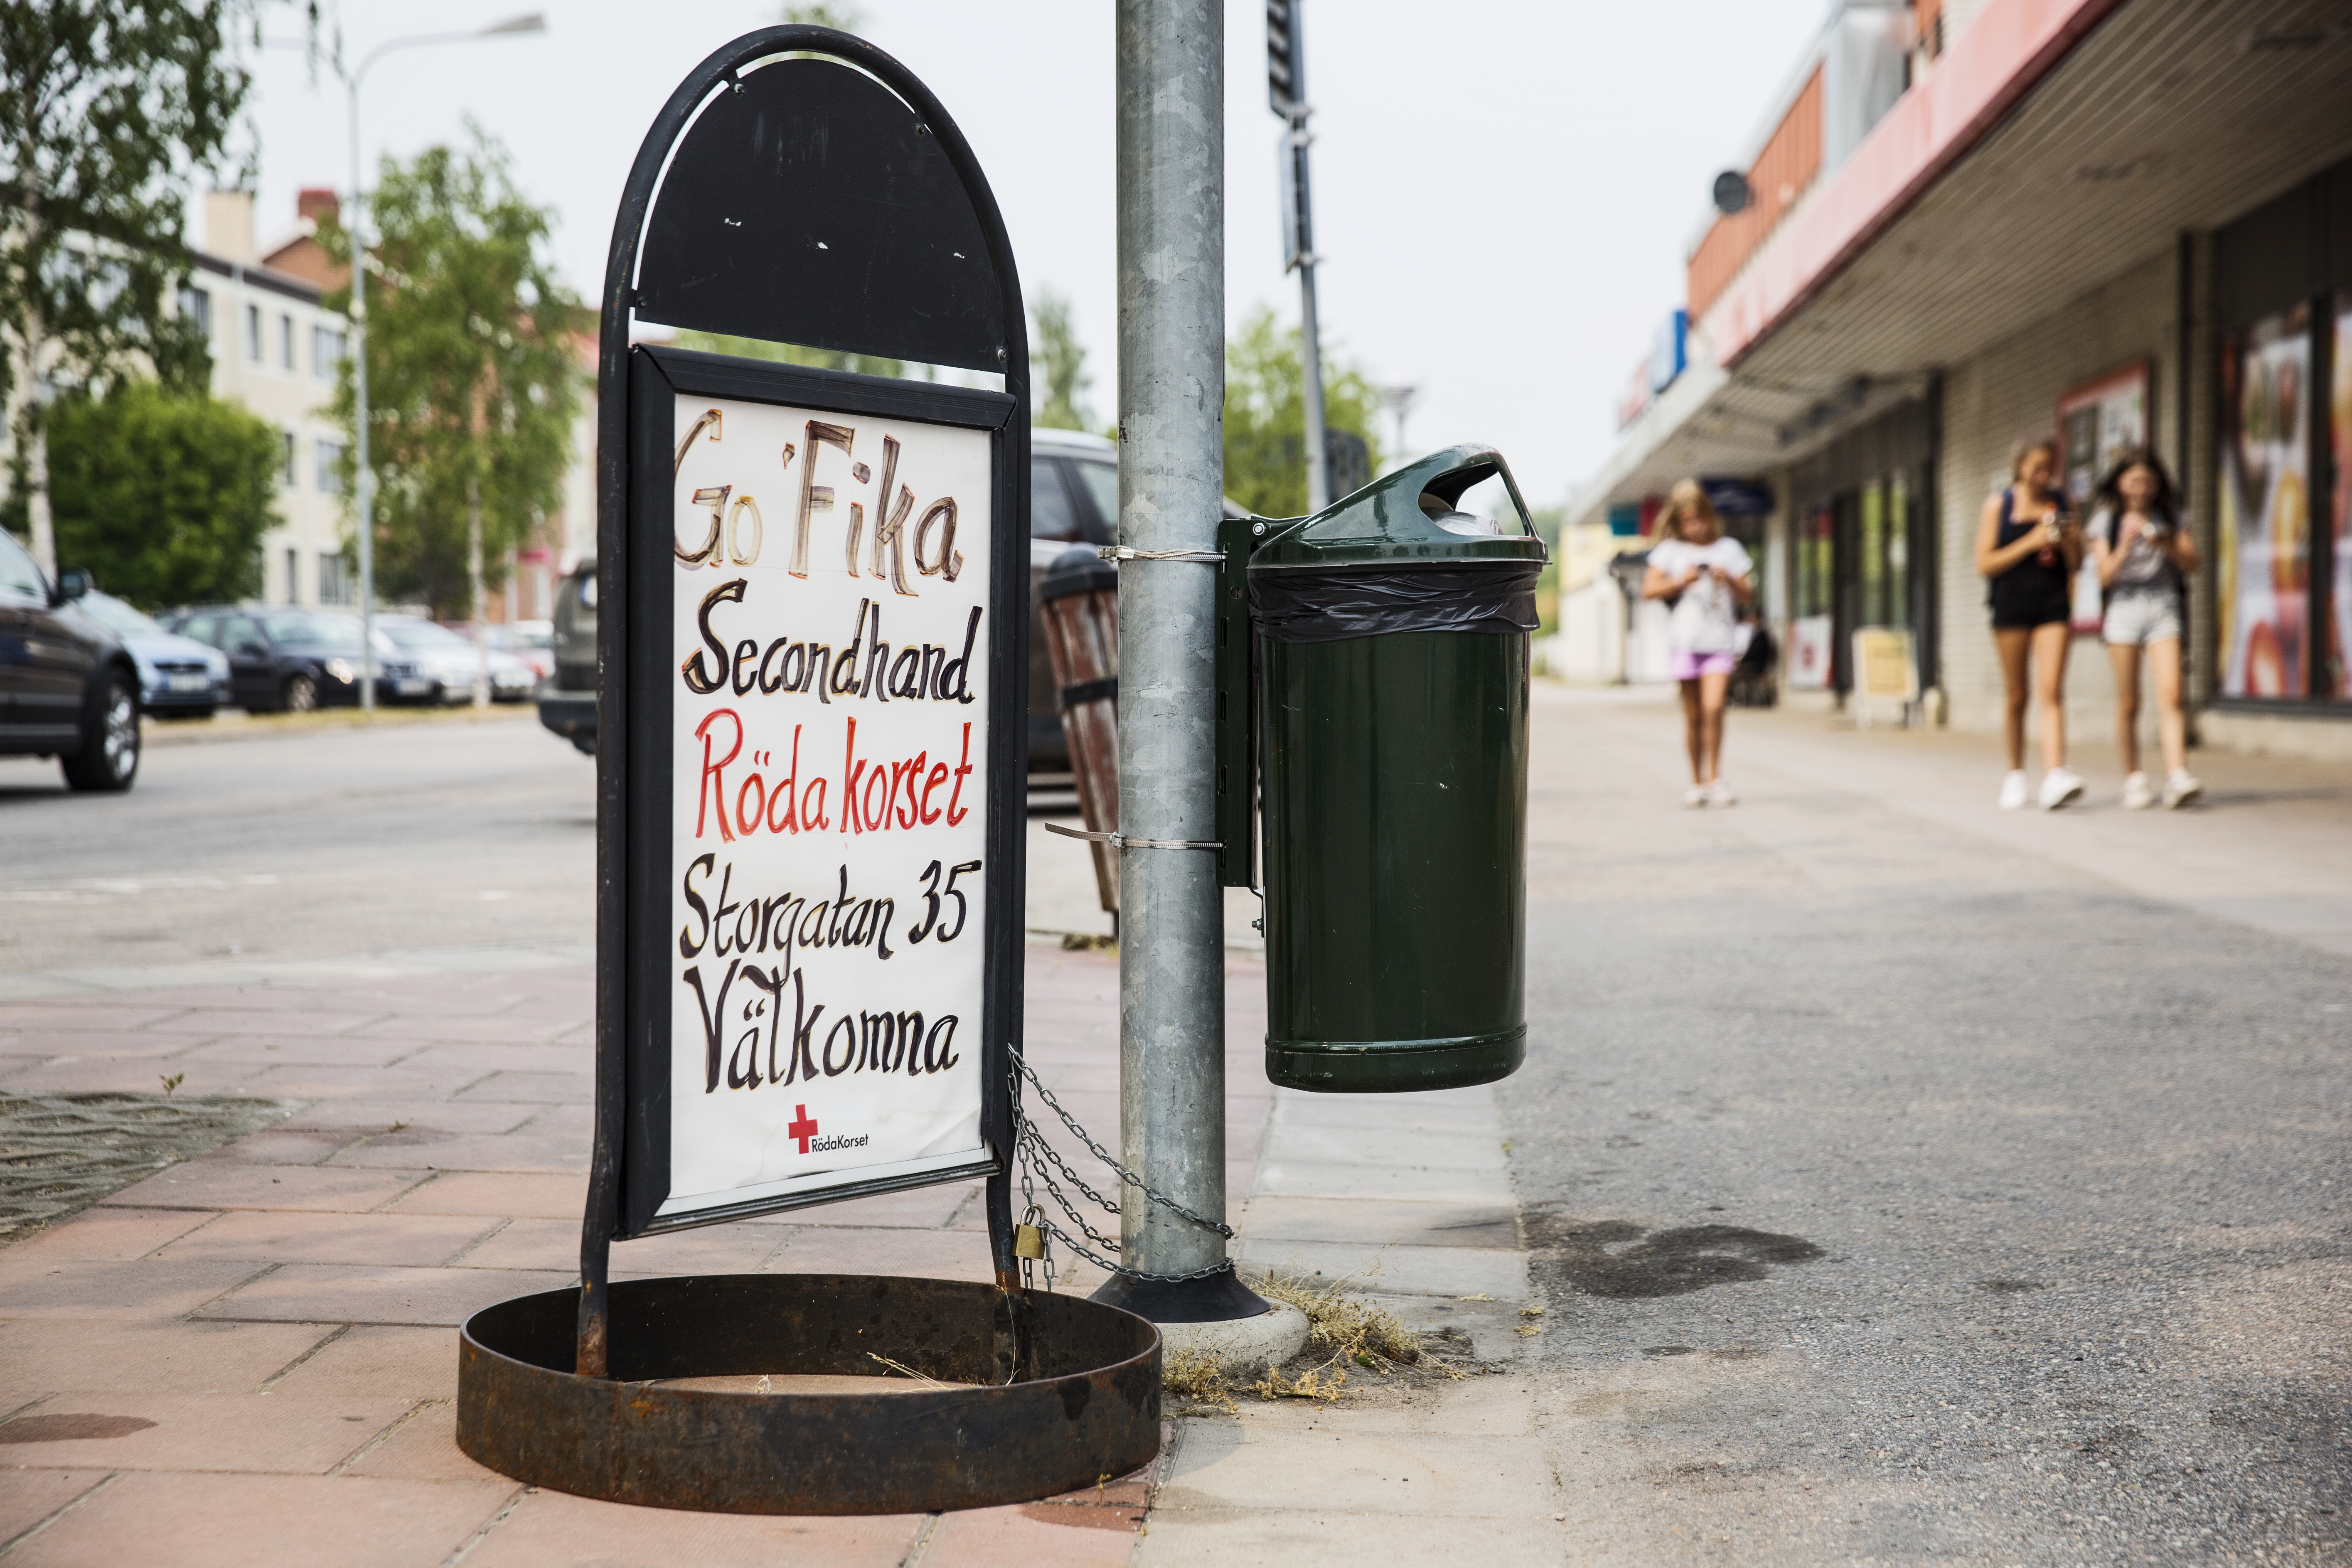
(811, 629)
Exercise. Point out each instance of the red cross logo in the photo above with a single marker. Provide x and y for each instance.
(804, 1129)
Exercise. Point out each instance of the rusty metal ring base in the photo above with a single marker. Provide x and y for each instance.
(1084, 1406)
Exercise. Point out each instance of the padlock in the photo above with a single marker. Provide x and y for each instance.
(1029, 1240)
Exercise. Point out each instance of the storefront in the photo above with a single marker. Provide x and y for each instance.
(2028, 244)
(2282, 516)
(1861, 548)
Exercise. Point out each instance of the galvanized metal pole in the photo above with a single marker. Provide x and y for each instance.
(1311, 333)
(1172, 380)
(362, 475)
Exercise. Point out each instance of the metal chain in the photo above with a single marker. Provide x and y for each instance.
(1038, 1157)
(1099, 1153)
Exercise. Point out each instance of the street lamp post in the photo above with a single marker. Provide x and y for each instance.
(1285, 62)
(512, 26)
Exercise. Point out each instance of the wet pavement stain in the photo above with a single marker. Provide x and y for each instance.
(71, 1427)
(1621, 1260)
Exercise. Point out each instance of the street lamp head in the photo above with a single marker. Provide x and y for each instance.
(531, 22)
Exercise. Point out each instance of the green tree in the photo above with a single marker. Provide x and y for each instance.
(473, 382)
(1062, 360)
(788, 353)
(161, 496)
(840, 18)
(108, 109)
(1265, 415)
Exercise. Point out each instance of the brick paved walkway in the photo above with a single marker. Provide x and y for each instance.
(249, 1359)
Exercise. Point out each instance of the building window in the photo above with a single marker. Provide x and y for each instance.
(286, 341)
(1816, 535)
(326, 352)
(253, 334)
(196, 305)
(2264, 514)
(334, 579)
(330, 466)
(2338, 672)
(293, 576)
(286, 474)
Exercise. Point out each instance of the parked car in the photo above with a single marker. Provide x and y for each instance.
(567, 697)
(447, 660)
(533, 642)
(179, 678)
(1073, 500)
(69, 688)
(287, 659)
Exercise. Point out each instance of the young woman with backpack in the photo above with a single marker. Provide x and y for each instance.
(2144, 559)
(2028, 550)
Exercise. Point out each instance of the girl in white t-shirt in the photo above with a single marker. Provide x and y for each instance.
(1704, 576)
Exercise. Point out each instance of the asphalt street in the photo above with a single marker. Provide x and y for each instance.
(1900, 1194)
(328, 842)
(1901, 1185)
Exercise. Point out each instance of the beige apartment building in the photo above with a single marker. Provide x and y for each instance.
(276, 351)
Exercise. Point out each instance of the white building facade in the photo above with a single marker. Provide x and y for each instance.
(276, 351)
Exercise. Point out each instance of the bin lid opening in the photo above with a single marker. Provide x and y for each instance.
(1476, 502)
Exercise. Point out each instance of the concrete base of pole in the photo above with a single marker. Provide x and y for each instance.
(1217, 1298)
(1243, 1346)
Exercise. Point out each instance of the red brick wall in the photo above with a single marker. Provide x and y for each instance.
(1781, 173)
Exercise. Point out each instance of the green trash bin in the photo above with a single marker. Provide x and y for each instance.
(1373, 664)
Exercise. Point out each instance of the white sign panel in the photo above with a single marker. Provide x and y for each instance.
(829, 816)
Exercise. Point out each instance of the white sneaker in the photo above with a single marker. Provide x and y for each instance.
(2138, 795)
(2015, 791)
(1695, 796)
(2182, 789)
(1720, 793)
(2060, 786)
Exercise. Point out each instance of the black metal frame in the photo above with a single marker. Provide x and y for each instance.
(624, 1025)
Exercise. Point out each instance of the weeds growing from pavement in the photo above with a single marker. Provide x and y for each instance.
(1341, 1326)
(1310, 1385)
(1342, 1322)
(1195, 1374)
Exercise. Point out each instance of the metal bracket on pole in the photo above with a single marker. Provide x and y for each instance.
(1127, 841)
(1121, 553)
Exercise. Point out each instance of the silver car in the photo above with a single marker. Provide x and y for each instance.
(448, 660)
(179, 678)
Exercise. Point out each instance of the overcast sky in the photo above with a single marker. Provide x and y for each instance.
(1504, 188)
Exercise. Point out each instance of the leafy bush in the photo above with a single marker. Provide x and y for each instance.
(163, 495)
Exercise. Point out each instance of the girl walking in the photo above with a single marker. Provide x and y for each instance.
(2144, 560)
(2029, 549)
(1704, 576)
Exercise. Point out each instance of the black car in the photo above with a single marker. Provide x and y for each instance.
(288, 660)
(68, 687)
(567, 698)
(1073, 500)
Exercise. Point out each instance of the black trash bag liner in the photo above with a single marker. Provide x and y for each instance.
(1330, 604)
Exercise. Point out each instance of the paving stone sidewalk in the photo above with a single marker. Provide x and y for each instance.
(249, 1358)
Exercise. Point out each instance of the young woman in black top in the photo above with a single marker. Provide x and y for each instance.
(2029, 548)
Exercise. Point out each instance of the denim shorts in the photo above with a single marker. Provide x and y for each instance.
(2135, 620)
